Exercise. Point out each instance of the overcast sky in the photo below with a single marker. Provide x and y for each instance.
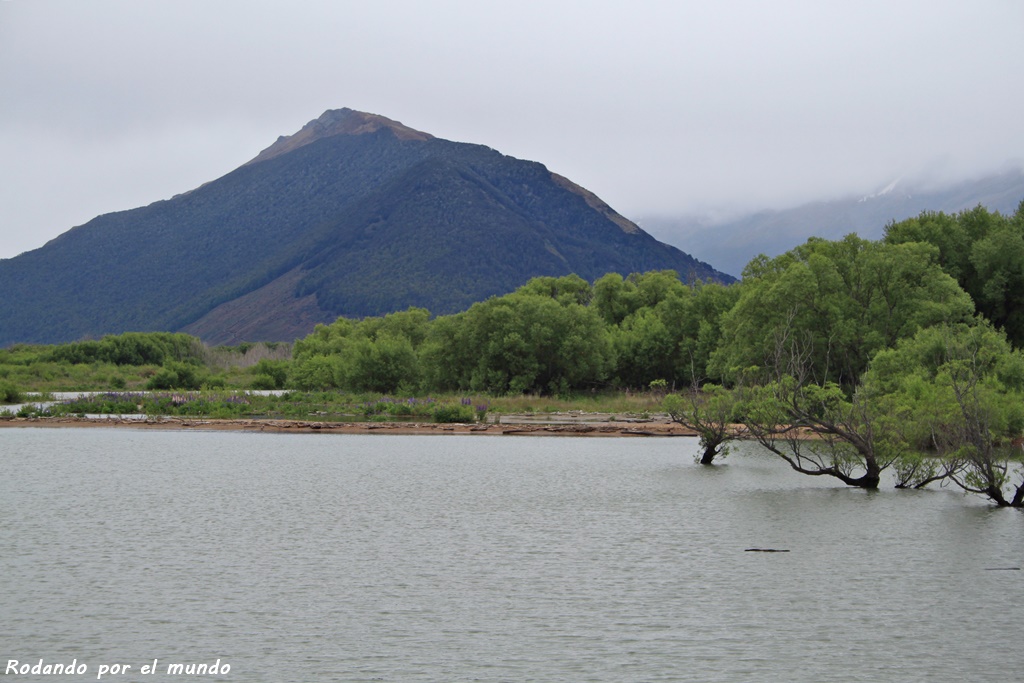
(658, 107)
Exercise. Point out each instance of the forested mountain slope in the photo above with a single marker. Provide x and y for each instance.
(353, 215)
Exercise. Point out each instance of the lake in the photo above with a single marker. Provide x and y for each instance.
(299, 558)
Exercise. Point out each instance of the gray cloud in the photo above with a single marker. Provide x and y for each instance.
(656, 106)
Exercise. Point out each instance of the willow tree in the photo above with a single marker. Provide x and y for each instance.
(711, 411)
(836, 304)
(820, 432)
(962, 390)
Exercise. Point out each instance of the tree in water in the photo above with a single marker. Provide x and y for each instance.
(817, 427)
(711, 412)
(962, 387)
(820, 432)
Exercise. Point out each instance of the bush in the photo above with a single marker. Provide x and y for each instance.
(274, 370)
(263, 382)
(175, 376)
(29, 410)
(451, 412)
(9, 393)
(215, 382)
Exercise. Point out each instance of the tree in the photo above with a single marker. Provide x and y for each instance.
(384, 364)
(710, 411)
(962, 387)
(984, 252)
(271, 374)
(614, 298)
(176, 375)
(840, 302)
(817, 427)
(324, 339)
(315, 373)
(645, 348)
(567, 289)
(521, 343)
(672, 332)
(820, 432)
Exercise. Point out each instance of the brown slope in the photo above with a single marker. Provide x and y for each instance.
(272, 312)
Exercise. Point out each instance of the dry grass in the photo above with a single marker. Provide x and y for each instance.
(624, 403)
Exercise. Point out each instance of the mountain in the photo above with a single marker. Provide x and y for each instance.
(353, 215)
(730, 244)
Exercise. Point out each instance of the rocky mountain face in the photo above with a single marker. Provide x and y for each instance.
(353, 215)
(730, 244)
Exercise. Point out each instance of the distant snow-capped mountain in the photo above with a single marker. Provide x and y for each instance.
(730, 244)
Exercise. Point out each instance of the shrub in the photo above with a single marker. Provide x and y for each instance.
(275, 370)
(263, 382)
(29, 410)
(175, 376)
(215, 382)
(9, 393)
(451, 412)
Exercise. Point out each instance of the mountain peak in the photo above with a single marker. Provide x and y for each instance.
(333, 122)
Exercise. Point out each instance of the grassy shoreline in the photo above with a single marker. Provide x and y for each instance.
(336, 406)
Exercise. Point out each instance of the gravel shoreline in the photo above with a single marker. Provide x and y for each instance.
(510, 425)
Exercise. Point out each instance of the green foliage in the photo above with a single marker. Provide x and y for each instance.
(214, 382)
(454, 413)
(131, 348)
(984, 252)
(710, 411)
(84, 366)
(852, 438)
(9, 393)
(176, 376)
(383, 364)
(29, 410)
(374, 354)
(934, 372)
(270, 374)
(961, 388)
(519, 343)
(263, 382)
(324, 339)
(616, 298)
(315, 373)
(834, 305)
(570, 289)
(180, 404)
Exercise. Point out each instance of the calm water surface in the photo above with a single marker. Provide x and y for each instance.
(392, 558)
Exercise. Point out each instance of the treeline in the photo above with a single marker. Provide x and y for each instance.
(130, 348)
(140, 360)
(551, 336)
